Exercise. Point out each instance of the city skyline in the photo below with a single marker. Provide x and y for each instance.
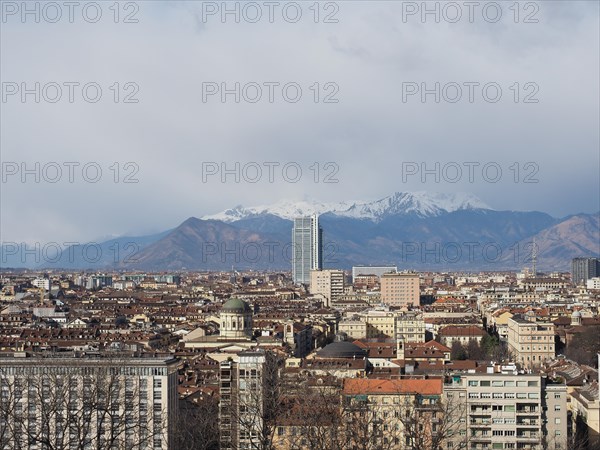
(354, 149)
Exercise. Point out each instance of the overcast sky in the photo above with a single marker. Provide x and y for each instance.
(374, 138)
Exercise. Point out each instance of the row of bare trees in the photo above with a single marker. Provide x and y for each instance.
(52, 408)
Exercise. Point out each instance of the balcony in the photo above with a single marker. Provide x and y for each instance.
(481, 423)
(528, 437)
(528, 410)
(528, 422)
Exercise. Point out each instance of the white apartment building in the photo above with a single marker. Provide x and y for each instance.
(327, 282)
(507, 411)
(530, 340)
(119, 402)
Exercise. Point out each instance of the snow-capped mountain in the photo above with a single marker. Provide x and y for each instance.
(421, 204)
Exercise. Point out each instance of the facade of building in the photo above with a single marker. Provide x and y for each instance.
(327, 282)
(593, 283)
(463, 334)
(410, 327)
(236, 320)
(374, 324)
(582, 269)
(507, 411)
(354, 329)
(41, 283)
(530, 341)
(400, 289)
(372, 270)
(241, 400)
(307, 248)
(88, 402)
(387, 406)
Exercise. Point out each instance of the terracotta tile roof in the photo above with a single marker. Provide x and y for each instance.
(354, 386)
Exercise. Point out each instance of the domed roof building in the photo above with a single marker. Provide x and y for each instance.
(342, 349)
(236, 306)
(236, 320)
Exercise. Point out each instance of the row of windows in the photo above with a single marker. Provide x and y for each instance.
(508, 395)
(502, 383)
(66, 370)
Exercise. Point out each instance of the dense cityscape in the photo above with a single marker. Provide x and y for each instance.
(299, 225)
(317, 358)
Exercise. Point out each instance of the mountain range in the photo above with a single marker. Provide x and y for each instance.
(419, 230)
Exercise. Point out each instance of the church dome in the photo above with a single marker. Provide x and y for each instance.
(235, 305)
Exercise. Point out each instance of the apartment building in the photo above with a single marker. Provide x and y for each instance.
(382, 323)
(241, 408)
(530, 340)
(400, 289)
(98, 401)
(410, 326)
(397, 413)
(354, 329)
(507, 410)
(327, 282)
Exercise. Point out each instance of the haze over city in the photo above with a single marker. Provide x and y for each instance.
(175, 127)
(325, 225)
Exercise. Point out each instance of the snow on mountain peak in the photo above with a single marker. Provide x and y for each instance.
(421, 203)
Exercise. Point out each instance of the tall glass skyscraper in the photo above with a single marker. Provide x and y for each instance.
(307, 248)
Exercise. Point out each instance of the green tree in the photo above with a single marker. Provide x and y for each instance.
(489, 343)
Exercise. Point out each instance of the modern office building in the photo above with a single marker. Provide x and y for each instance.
(506, 410)
(87, 401)
(582, 269)
(307, 248)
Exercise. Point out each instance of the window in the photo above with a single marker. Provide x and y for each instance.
(556, 407)
(557, 421)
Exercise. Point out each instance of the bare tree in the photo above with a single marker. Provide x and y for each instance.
(312, 418)
(433, 423)
(78, 408)
(253, 406)
(370, 423)
(197, 426)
